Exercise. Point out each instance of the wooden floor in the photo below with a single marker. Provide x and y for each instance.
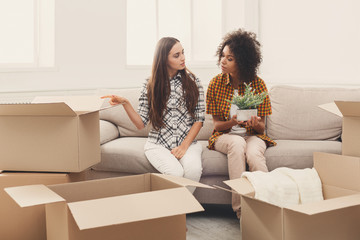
(217, 222)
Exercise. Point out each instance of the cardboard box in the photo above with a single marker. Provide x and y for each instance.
(147, 206)
(17, 223)
(336, 217)
(350, 112)
(53, 134)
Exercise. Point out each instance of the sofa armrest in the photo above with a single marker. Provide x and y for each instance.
(108, 131)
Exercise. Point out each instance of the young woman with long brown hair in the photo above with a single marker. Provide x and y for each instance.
(172, 101)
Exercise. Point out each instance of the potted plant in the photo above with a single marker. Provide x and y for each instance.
(247, 103)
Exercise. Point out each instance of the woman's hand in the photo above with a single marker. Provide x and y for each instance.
(179, 151)
(253, 122)
(115, 100)
(235, 121)
(257, 123)
(133, 115)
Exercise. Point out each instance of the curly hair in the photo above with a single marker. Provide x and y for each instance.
(246, 50)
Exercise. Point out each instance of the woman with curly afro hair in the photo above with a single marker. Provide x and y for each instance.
(244, 142)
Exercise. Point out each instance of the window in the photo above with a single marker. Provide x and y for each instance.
(198, 24)
(27, 34)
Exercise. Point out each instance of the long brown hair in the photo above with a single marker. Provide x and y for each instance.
(158, 88)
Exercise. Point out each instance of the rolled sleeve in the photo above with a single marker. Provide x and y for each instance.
(264, 109)
(200, 106)
(143, 108)
(211, 105)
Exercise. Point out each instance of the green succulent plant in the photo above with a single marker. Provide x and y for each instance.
(249, 100)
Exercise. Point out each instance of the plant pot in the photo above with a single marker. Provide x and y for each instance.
(245, 114)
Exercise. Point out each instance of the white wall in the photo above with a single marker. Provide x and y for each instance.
(304, 43)
(310, 42)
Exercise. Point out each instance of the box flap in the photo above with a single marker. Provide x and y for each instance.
(330, 191)
(331, 107)
(348, 108)
(241, 186)
(338, 170)
(36, 109)
(327, 205)
(80, 104)
(182, 181)
(32, 195)
(134, 207)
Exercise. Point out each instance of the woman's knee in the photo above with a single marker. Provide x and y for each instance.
(175, 172)
(192, 163)
(193, 172)
(256, 161)
(193, 169)
(254, 155)
(228, 141)
(237, 143)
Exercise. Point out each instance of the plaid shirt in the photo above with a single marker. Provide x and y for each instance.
(219, 90)
(177, 120)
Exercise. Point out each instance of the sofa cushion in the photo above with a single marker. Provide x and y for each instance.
(118, 116)
(126, 155)
(207, 128)
(298, 154)
(296, 114)
(213, 162)
(108, 131)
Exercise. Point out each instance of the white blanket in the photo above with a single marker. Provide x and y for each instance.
(286, 186)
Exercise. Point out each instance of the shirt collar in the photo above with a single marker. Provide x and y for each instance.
(227, 80)
(176, 77)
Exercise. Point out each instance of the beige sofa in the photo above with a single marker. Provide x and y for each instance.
(297, 124)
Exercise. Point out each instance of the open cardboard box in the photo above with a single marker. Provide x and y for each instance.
(52, 134)
(350, 112)
(146, 206)
(337, 217)
(17, 223)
